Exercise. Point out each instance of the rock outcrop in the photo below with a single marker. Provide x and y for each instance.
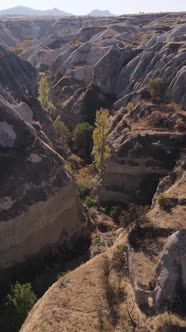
(117, 57)
(16, 75)
(134, 170)
(40, 208)
(39, 205)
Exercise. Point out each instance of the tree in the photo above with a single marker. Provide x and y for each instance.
(43, 92)
(156, 87)
(82, 140)
(19, 302)
(101, 149)
(62, 132)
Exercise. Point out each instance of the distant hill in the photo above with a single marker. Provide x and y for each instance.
(26, 11)
(21, 10)
(97, 12)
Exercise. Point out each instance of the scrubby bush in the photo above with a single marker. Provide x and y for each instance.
(155, 119)
(73, 163)
(180, 125)
(129, 106)
(60, 275)
(86, 179)
(120, 249)
(119, 258)
(164, 202)
(19, 302)
(17, 50)
(115, 212)
(89, 202)
(156, 87)
(134, 213)
(62, 133)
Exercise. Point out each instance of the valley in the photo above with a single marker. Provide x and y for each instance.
(93, 171)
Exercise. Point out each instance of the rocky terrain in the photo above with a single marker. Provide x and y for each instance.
(134, 65)
(36, 213)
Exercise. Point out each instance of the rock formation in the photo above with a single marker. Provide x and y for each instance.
(93, 63)
(117, 58)
(16, 76)
(40, 207)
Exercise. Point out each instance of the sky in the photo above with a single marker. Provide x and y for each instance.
(115, 6)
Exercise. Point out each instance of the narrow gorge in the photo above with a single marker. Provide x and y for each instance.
(103, 248)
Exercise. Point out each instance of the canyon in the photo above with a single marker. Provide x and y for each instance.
(135, 277)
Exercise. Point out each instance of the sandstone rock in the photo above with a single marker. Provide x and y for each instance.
(135, 168)
(25, 112)
(172, 270)
(16, 75)
(14, 132)
(39, 205)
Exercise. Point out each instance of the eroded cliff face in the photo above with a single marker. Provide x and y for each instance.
(143, 152)
(18, 29)
(40, 208)
(18, 77)
(111, 62)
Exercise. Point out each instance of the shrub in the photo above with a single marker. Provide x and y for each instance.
(180, 125)
(18, 50)
(134, 213)
(60, 275)
(129, 106)
(164, 202)
(143, 37)
(155, 119)
(62, 133)
(119, 258)
(73, 163)
(19, 302)
(120, 249)
(89, 202)
(86, 179)
(115, 212)
(167, 322)
(156, 87)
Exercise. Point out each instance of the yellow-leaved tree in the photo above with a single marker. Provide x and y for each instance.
(43, 92)
(101, 149)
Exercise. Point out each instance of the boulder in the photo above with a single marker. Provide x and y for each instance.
(14, 132)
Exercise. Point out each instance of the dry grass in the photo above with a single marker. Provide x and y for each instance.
(94, 297)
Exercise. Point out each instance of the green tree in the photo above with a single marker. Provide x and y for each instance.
(101, 149)
(156, 87)
(19, 302)
(82, 140)
(62, 133)
(43, 92)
